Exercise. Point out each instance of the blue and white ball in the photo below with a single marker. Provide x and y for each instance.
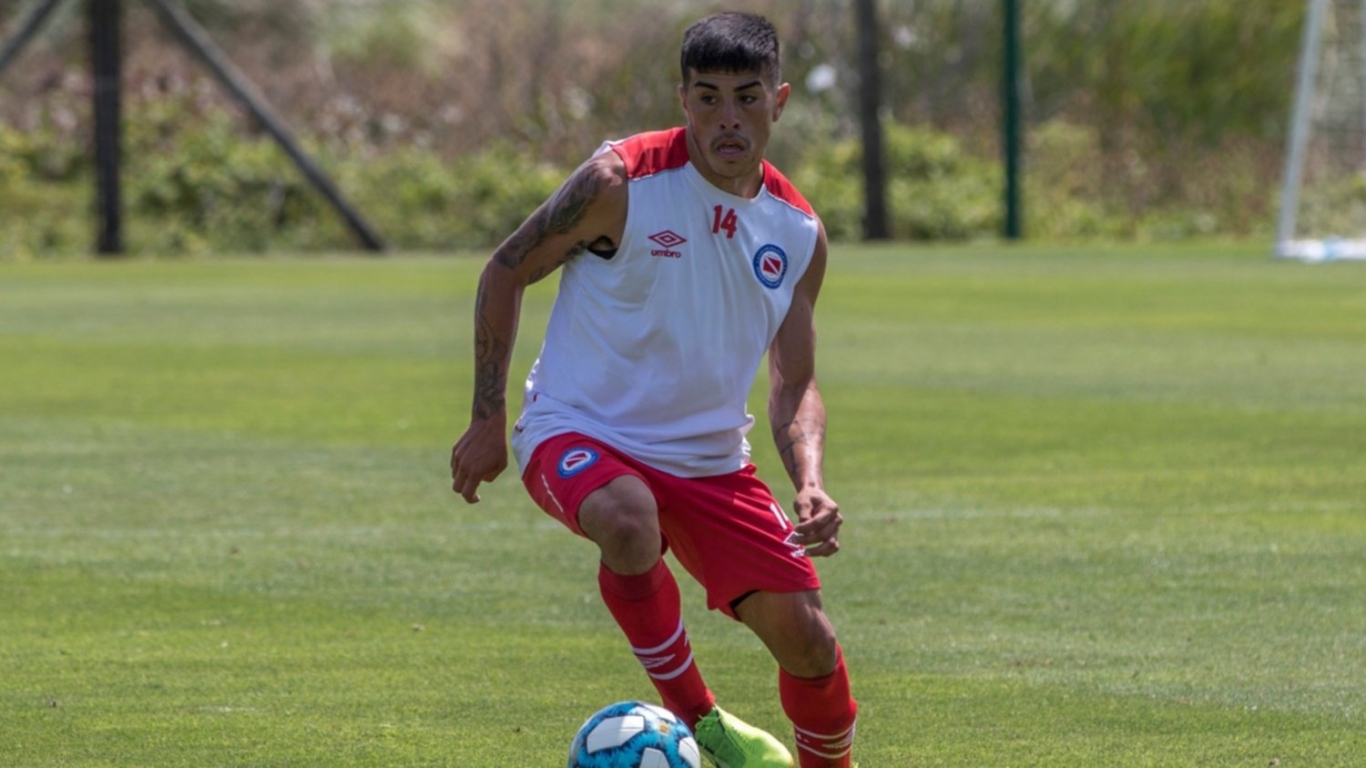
(632, 734)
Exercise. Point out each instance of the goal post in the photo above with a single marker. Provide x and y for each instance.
(1323, 194)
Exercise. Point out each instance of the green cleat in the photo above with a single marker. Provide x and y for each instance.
(729, 742)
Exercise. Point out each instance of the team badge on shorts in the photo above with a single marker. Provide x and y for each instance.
(770, 266)
(576, 460)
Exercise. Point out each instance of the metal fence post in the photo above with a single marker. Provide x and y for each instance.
(1011, 121)
(105, 29)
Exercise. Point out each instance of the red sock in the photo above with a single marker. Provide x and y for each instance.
(822, 714)
(648, 609)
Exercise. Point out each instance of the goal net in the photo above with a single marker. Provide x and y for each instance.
(1323, 198)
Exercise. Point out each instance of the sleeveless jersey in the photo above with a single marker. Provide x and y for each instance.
(654, 350)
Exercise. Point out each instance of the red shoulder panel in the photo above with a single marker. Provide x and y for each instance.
(653, 152)
(778, 186)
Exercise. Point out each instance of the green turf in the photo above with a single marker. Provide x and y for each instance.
(1105, 507)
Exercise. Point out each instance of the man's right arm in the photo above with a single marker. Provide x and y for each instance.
(587, 211)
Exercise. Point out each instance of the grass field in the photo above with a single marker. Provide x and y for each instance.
(1105, 507)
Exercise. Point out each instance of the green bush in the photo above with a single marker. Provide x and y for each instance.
(13, 168)
(209, 186)
(1074, 190)
(420, 201)
(935, 190)
(197, 181)
(44, 205)
(1064, 197)
(1335, 206)
(42, 154)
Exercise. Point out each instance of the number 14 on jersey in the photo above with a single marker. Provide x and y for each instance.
(724, 220)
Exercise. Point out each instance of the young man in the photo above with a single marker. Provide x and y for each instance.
(686, 258)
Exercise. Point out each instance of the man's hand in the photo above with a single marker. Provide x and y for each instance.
(818, 523)
(480, 456)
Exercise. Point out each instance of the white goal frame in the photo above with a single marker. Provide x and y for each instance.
(1318, 246)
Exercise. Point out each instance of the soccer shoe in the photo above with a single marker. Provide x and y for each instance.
(730, 742)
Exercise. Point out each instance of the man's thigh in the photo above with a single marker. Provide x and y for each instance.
(565, 469)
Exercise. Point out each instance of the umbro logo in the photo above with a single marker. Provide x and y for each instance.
(668, 240)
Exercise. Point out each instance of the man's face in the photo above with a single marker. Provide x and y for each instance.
(730, 117)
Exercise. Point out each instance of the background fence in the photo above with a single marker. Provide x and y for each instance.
(447, 121)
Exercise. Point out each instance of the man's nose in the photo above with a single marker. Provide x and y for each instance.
(730, 115)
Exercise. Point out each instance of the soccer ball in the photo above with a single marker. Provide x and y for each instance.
(632, 734)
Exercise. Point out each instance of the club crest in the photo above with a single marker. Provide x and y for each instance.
(576, 460)
(770, 266)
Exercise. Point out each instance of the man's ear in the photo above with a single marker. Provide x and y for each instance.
(780, 100)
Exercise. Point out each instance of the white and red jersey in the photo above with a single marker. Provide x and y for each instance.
(654, 350)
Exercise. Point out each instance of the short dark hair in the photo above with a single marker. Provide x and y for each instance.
(731, 42)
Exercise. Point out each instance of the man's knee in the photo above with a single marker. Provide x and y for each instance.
(818, 651)
(623, 520)
(795, 629)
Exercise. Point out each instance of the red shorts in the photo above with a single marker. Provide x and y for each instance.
(727, 531)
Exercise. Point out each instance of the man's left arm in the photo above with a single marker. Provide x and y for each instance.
(797, 414)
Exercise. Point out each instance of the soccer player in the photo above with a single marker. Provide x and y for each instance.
(686, 257)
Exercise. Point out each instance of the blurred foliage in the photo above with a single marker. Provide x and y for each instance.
(1335, 204)
(936, 190)
(447, 122)
(208, 185)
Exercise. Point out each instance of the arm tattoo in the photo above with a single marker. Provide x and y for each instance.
(800, 441)
(559, 216)
(564, 211)
(490, 367)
